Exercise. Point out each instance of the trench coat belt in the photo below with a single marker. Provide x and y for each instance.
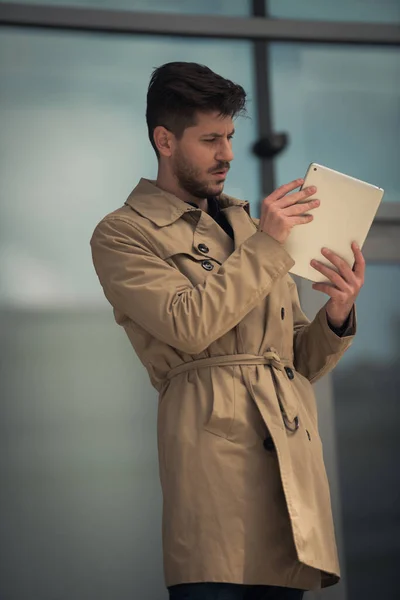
(284, 389)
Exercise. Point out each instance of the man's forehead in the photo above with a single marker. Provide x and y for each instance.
(213, 123)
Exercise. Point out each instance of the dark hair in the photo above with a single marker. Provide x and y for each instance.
(178, 90)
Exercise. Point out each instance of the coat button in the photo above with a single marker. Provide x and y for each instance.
(203, 248)
(269, 444)
(289, 373)
(207, 265)
(282, 313)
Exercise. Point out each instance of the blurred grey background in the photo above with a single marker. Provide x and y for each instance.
(80, 499)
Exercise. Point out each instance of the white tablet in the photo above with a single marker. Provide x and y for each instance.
(347, 210)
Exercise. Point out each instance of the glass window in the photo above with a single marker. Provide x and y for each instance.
(366, 398)
(78, 415)
(384, 11)
(74, 143)
(340, 107)
(206, 7)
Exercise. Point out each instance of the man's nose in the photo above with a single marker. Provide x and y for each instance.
(225, 152)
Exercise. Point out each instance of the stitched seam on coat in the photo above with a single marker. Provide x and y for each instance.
(326, 368)
(132, 224)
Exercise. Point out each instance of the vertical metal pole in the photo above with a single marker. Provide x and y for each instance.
(261, 65)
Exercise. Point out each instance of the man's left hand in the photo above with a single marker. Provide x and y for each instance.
(346, 283)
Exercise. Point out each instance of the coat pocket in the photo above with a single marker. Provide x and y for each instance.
(221, 411)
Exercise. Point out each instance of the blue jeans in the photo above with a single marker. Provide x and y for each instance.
(232, 591)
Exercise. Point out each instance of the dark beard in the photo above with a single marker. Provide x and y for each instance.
(188, 181)
(188, 178)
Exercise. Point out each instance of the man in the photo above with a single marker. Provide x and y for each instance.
(204, 294)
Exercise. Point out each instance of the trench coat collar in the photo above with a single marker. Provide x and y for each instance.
(163, 208)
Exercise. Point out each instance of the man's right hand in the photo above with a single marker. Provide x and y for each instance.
(280, 211)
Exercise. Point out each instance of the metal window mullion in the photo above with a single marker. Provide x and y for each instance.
(263, 96)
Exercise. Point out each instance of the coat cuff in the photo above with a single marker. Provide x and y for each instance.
(346, 329)
(337, 342)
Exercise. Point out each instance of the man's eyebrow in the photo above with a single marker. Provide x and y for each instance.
(217, 135)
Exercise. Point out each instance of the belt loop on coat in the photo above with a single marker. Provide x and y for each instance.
(275, 361)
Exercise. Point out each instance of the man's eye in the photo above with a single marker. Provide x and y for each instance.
(213, 140)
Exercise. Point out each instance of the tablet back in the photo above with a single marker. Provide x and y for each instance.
(347, 210)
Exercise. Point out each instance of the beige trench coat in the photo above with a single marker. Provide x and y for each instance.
(218, 326)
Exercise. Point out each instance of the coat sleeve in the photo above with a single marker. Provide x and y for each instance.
(157, 296)
(317, 349)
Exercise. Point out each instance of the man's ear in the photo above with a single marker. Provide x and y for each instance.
(164, 140)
